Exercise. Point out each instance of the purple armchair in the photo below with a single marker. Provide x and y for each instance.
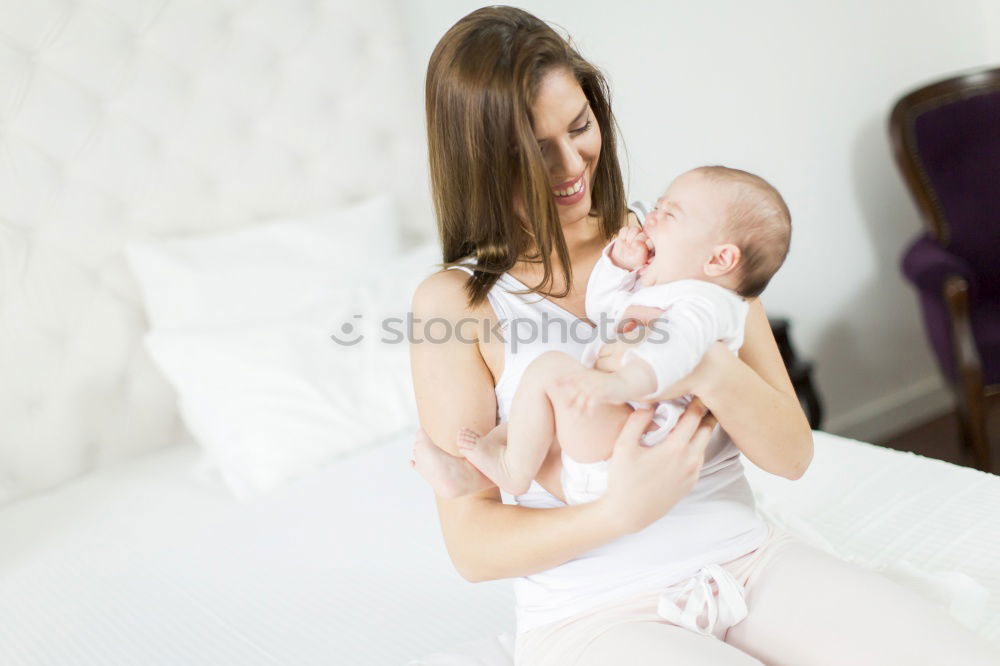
(946, 140)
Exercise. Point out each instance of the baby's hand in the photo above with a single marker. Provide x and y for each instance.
(629, 250)
(582, 391)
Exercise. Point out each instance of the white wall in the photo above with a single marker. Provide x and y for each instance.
(798, 92)
(991, 26)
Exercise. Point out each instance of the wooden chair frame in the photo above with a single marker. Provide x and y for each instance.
(971, 396)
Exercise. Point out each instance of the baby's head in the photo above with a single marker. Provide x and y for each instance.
(721, 225)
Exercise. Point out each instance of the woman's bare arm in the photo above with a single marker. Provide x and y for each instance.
(486, 539)
(754, 400)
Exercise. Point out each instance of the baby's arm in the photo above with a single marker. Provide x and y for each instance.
(699, 314)
(616, 273)
(673, 347)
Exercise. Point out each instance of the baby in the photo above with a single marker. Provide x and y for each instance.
(714, 240)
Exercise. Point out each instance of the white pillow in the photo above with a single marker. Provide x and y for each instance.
(259, 272)
(270, 401)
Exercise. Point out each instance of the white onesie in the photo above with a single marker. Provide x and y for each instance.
(697, 313)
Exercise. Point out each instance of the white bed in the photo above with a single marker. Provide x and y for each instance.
(143, 564)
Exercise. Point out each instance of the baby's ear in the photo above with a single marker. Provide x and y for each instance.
(724, 260)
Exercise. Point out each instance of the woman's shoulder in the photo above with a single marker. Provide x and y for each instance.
(443, 294)
(443, 290)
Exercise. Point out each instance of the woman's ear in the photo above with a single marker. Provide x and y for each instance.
(724, 260)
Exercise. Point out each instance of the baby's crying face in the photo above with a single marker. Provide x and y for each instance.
(663, 242)
(682, 230)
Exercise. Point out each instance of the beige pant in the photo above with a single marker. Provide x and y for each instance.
(805, 608)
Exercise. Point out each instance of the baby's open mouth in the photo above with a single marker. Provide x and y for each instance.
(649, 257)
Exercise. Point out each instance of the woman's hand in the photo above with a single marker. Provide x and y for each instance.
(753, 398)
(645, 482)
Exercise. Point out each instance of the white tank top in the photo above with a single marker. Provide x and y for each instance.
(716, 522)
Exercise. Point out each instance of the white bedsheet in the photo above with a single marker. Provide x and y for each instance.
(140, 564)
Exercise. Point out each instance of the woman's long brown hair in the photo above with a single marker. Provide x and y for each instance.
(481, 83)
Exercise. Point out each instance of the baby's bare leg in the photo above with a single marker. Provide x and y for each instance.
(588, 438)
(583, 437)
(538, 418)
(469, 438)
(450, 476)
(530, 430)
(487, 453)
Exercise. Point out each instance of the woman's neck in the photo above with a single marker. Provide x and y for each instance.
(583, 244)
(580, 237)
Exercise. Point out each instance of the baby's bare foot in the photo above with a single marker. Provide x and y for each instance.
(449, 476)
(467, 439)
(487, 456)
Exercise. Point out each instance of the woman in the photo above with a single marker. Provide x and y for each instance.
(528, 190)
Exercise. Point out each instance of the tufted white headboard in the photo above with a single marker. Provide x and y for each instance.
(138, 118)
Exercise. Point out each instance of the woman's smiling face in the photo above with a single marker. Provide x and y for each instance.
(570, 140)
